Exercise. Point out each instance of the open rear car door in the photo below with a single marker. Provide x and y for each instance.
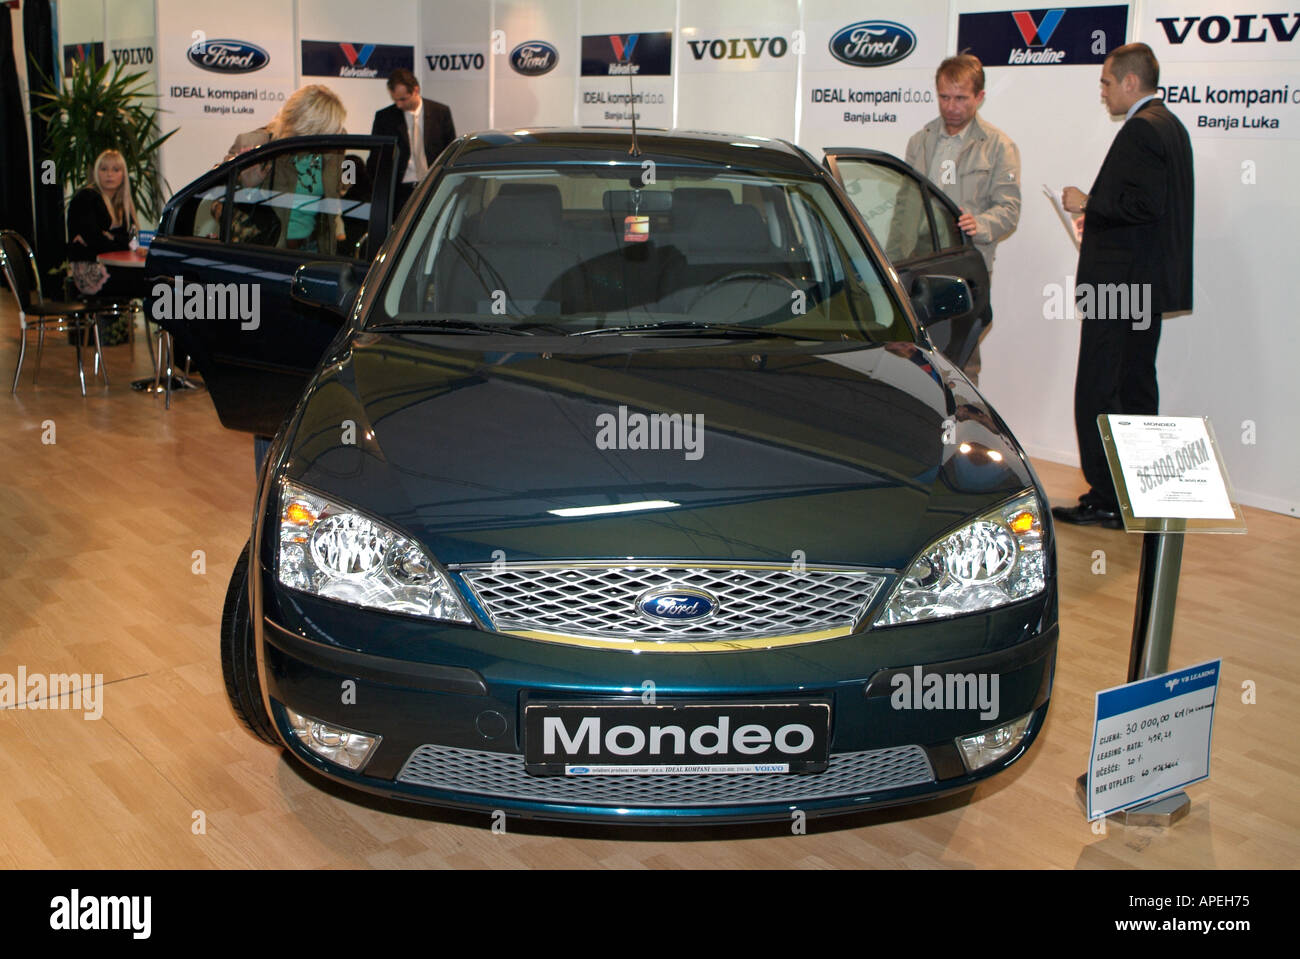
(220, 270)
(916, 224)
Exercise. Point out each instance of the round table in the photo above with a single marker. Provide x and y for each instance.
(131, 259)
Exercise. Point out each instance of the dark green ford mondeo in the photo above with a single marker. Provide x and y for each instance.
(617, 480)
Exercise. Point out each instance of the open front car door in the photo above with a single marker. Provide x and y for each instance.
(916, 224)
(220, 271)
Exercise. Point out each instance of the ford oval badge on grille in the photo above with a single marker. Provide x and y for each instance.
(676, 604)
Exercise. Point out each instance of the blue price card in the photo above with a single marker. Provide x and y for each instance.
(1151, 737)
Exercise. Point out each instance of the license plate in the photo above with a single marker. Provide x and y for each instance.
(675, 738)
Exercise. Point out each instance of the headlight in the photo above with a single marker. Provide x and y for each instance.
(332, 551)
(994, 560)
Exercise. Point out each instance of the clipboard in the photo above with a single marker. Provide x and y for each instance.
(1067, 219)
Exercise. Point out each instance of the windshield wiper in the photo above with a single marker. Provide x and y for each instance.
(465, 326)
(725, 329)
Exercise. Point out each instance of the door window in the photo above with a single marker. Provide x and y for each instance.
(945, 224)
(200, 216)
(892, 204)
(313, 202)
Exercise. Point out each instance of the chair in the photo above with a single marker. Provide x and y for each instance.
(19, 265)
(108, 308)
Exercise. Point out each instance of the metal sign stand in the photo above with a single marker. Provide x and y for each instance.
(1153, 630)
(1153, 618)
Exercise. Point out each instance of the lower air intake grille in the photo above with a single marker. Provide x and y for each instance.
(501, 775)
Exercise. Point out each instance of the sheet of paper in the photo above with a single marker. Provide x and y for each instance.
(1151, 737)
(1170, 467)
(1067, 218)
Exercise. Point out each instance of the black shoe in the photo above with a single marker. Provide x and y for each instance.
(1088, 513)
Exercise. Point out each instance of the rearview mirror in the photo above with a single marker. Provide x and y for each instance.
(937, 297)
(330, 286)
(637, 201)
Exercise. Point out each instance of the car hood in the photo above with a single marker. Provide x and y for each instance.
(841, 454)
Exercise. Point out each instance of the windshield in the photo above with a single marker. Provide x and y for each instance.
(592, 249)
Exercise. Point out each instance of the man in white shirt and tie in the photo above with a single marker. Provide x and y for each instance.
(413, 120)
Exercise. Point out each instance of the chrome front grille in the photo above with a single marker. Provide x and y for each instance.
(501, 776)
(600, 600)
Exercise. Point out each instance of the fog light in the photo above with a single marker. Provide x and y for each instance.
(346, 747)
(983, 748)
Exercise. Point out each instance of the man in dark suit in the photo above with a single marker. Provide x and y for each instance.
(1135, 264)
(412, 118)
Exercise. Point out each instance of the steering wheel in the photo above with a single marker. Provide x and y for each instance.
(736, 276)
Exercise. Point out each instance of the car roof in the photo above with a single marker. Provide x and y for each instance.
(604, 145)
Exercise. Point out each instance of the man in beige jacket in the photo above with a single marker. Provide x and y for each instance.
(972, 161)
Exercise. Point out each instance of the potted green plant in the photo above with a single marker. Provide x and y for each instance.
(95, 109)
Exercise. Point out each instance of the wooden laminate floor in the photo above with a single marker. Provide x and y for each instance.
(101, 533)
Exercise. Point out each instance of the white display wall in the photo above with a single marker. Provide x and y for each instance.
(544, 100)
(755, 92)
(1229, 359)
(453, 61)
(1232, 357)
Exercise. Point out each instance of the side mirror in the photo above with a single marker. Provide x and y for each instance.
(330, 286)
(936, 297)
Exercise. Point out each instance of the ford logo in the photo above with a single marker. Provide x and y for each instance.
(534, 58)
(227, 56)
(676, 604)
(872, 43)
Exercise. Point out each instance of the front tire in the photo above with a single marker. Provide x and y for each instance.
(239, 656)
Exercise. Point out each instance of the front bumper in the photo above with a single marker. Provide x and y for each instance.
(447, 702)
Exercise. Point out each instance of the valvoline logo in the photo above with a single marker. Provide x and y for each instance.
(618, 54)
(623, 45)
(1037, 34)
(358, 61)
(357, 56)
(227, 56)
(872, 43)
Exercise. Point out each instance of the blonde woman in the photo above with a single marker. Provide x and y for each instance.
(101, 218)
(314, 110)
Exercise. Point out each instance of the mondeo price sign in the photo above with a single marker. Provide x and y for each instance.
(676, 739)
(1151, 737)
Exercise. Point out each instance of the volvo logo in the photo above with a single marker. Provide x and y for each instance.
(1217, 29)
(534, 58)
(673, 604)
(872, 43)
(227, 56)
(736, 48)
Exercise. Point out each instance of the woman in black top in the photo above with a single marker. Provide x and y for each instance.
(101, 218)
